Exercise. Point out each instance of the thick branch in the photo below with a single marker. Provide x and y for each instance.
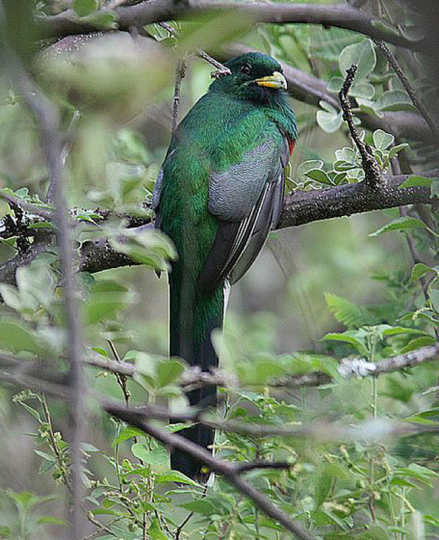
(338, 15)
(300, 208)
(339, 201)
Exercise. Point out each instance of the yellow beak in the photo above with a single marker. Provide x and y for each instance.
(277, 81)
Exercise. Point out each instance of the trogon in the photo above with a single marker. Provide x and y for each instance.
(218, 194)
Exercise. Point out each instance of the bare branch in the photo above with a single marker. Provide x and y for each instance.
(338, 15)
(373, 176)
(408, 86)
(180, 72)
(194, 379)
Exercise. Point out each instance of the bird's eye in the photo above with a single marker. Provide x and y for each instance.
(245, 68)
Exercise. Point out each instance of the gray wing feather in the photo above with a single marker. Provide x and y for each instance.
(233, 193)
(246, 214)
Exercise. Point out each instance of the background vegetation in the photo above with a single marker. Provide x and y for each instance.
(357, 457)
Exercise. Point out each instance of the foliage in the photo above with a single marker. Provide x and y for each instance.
(371, 487)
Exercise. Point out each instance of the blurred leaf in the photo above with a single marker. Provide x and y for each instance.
(157, 456)
(348, 337)
(400, 224)
(329, 122)
(347, 312)
(85, 7)
(174, 476)
(416, 181)
(168, 371)
(394, 100)
(17, 337)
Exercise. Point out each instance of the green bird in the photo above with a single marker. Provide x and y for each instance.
(218, 195)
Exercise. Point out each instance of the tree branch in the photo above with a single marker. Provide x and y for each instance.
(373, 176)
(299, 208)
(192, 379)
(408, 86)
(338, 15)
(306, 207)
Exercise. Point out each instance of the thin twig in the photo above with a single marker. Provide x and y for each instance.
(180, 72)
(408, 86)
(221, 69)
(180, 528)
(65, 151)
(121, 377)
(252, 465)
(373, 176)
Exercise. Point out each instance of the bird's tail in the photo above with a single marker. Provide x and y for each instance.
(193, 317)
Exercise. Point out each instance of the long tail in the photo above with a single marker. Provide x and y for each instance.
(193, 318)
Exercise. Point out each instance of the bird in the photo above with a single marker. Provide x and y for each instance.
(218, 194)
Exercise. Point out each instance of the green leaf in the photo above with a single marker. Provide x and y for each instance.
(419, 270)
(329, 122)
(45, 520)
(321, 489)
(416, 181)
(150, 247)
(168, 371)
(156, 457)
(85, 7)
(434, 299)
(395, 330)
(400, 224)
(106, 20)
(362, 54)
(347, 312)
(384, 26)
(335, 84)
(382, 140)
(394, 100)
(155, 531)
(319, 176)
(175, 476)
(417, 343)
(362, 90)
(309, 165)
(396, 149)
(17, 337)
(105, 300)
(204, 507)
(348, 337)
(128, 433)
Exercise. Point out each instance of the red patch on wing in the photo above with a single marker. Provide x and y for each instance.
(291, 144)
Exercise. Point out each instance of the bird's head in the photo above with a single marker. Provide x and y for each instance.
(254, 76)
